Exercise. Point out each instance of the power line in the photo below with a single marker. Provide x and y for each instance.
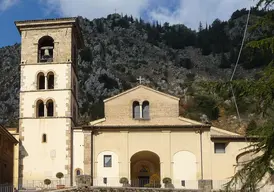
(237, 62)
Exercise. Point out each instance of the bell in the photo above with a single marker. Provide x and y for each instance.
(46, 53)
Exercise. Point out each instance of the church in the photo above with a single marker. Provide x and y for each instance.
(140, 135)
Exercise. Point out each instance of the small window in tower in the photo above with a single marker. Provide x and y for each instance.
(45, 49)
(50, 80)
(44, 138)
(50, 110)
(41, 81)
(40, 108)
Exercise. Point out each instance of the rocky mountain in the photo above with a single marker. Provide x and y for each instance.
(171, 58)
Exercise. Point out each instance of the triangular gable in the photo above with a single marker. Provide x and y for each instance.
(144, 87)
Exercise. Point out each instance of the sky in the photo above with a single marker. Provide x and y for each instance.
(187, 12)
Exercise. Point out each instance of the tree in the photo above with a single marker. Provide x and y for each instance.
(47, 182)
(252, 172)
(59, 175)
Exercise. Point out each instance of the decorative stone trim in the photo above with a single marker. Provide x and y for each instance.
(87, 153)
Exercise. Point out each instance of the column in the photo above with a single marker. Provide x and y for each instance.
(166, 155)
(45, 109)
(124, 156)
(87, 153)
(46, 82)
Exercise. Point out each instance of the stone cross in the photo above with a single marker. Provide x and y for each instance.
(140, 79)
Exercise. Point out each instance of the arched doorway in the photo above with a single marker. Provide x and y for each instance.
(143, 165)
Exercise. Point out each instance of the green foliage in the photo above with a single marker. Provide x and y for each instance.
(252, 172)
(59, 175)
(123, 180)
(202, 104)
(86, 54)
(251, 127)
(154, 181)
(224, 62)
(47, 181)
(167, 180)
(109, 83)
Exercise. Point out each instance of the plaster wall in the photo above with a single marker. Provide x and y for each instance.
(78, 152)
(44, 160)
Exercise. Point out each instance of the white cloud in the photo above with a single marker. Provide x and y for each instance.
(188, 12)
(96, 8)
(191, 12)
(5, 4)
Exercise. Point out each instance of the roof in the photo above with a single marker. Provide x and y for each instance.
(144, 87)
(169, 122)
(46, 23)
(8, 134)
(48, 20)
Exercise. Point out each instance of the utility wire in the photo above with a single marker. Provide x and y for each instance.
(237, 62)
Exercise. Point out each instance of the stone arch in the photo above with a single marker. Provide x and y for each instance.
(143, 165)
(50, 108)
(45, 49)
(50, 80)
(40, 108)
(136, 109)
(40, 80)
(145, 109)
(184, 168)
(110, 172)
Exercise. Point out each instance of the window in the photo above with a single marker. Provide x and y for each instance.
(219, 147)
(44, 138)
(50, 80)
(40, 108)
(107, 160)
(78, 172)
(45, 49)
(50, 110)
(136, 110)
(41, 81)
(145, 110)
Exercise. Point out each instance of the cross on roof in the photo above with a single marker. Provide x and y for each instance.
(140, 79)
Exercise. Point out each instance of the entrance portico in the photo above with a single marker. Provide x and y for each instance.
(144, 164)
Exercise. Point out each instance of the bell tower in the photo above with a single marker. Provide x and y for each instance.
(48, 98)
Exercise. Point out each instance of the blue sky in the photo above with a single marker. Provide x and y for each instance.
(188, 12)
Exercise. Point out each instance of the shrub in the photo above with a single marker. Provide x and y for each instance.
(154, 182)
(47, 181)
(124, 181)
(59, 175)
(166, 180)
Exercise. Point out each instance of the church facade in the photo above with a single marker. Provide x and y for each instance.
(141, 134)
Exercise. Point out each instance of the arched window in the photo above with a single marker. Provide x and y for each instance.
(78, 172)
(45, 49)
(50, 108)
(145, 110)
(41, 81)
(50, 78)
(44, 138)
(136, 110)
(40, 108)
